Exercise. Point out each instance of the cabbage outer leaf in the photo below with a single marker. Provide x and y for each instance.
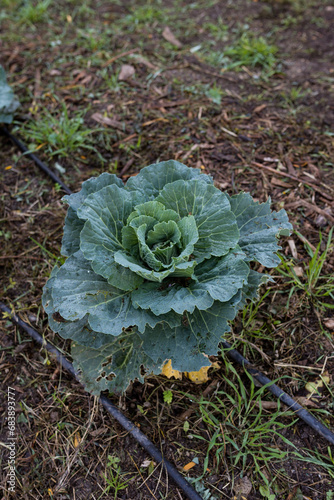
(199, 335)
(216, 279)
(74, 225)
(151, 180)
(91, 186)
(76, 330)
(258, 228)
(77, 291)
(72, 229)
(106, 212)
(120, 361)
(114, 365)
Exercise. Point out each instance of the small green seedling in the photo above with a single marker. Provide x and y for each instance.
(114, 478)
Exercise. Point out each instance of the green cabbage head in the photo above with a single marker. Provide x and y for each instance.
(155, 270)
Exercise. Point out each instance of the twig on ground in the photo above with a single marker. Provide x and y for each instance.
(315, 208)
(286, 174)
(123, 54)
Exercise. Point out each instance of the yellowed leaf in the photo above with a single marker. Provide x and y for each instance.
(317, 386)
(201, 376)
(198, 377)
(168, 371)
(189, 466)
(76, 440)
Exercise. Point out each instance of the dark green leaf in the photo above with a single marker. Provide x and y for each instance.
(152, 179)
(258, 228)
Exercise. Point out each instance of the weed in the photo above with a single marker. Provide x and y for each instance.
(297, 93)
(247, 433)
(114, 85)
(316, 288)
(47, 252)
(144, 15)
(5, 234)
(256, 320)
(168, 396)
(60, 136)
(216, 58)
(218, 30)
(215, 94)
(265, 492)
(114, 478)
(289, 21)
(290, 98)
(92, 39)
(251, 50)
(201, 489)
(325, 461)
(33, 14)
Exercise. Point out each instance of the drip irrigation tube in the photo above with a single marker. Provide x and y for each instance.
(35, 158)
(283, 396)
(139, 436)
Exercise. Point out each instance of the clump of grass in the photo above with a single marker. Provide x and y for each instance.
(315, 287)
(115, 479)
(111, 80)
(60, 136)
(31, 13)
(241, 433)
(144, 15)
(252, 51)
(218, 30)
(249, 50)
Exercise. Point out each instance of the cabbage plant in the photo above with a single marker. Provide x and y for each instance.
(155, 270)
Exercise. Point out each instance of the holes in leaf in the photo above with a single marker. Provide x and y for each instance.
(142, 371)
(57, 317)
(185, 321)
(108, 361)
(105, 376)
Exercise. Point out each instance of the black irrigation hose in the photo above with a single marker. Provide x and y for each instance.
(283, 396)
(38, 162)
(182, 483)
